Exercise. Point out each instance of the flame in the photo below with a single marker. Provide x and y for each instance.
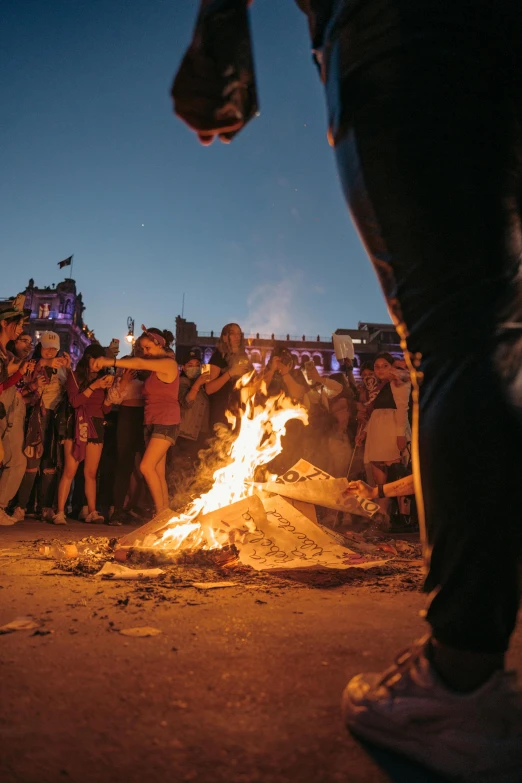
(258, 441)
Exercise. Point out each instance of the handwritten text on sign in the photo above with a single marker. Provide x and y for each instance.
(288, 539)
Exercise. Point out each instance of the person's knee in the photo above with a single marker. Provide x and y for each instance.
(146, 467)
(69, 472)
(90, 473)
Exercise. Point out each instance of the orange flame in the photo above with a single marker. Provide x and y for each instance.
(258, 442)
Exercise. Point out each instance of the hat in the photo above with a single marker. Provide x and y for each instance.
(12, 308)
(50, 340)
(192, 353)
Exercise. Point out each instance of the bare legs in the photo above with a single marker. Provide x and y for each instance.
(90, 468)
(153, 468)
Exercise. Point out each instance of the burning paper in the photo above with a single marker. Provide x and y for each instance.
(306, 483)
(267, 531)
(287, 540)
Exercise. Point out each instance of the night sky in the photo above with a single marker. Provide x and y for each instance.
(94, 163)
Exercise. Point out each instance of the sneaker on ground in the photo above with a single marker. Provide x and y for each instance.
(474, 737)
(19, 514)
(84, 513)
(47, 515)
(94, 518)
(58, 519)
(5, 519)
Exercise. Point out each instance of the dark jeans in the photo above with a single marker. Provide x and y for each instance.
(425, 105)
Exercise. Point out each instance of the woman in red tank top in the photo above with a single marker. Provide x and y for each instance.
(162, 411)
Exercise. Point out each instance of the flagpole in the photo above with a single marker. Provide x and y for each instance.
(72, 262)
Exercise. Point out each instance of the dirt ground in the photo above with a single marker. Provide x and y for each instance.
(242, 684)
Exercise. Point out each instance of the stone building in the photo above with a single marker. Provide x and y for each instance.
(58, 309)
(369, 339)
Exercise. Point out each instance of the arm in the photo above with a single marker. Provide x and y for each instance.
(401, 395)
(12, 380)
(78, 398)
(332, 386)
(399, 488)
(217, 381)
(294, 388)
(188, 398)
(166, 368)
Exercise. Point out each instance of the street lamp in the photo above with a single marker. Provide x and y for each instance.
(130, 330)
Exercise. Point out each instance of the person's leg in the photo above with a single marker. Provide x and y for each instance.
(432, 194)
(126, 439)
(161, 470)
(380, 477)
(90, 471)
(15, 461)
(27, 483)
(422, 109)
(69, 472)
(155, 453)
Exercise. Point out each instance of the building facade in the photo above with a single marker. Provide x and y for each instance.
(58, 309)
(369, 339)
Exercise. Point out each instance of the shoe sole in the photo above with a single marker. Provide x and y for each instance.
(379, 731)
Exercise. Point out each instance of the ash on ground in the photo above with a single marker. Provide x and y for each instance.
(401, 569)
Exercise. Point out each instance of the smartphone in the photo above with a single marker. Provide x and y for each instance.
(205, 368)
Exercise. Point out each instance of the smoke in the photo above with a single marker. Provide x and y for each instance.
(272, 307)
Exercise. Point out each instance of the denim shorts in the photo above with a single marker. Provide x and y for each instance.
(164, 431)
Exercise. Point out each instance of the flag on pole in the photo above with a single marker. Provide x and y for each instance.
(65, 262)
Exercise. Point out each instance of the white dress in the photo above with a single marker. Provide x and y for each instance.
(386, 425)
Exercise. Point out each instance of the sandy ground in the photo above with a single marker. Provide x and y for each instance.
(242, 685)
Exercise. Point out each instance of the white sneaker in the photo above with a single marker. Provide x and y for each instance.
(5, 519)
(19, 514)
(59, 519)
(474, 737)
(47, 515)
(94, 518)
(84, 513)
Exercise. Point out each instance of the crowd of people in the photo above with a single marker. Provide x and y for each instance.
(100, 442)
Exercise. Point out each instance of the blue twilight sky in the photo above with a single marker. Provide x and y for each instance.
(94, 163)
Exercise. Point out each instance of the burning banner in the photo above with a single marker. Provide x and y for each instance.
(308, 484)
(267, 531)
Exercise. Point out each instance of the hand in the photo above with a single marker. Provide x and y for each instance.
(15, 365)
(56, 363)
(126, 377)
(66, 361)
(100, 363)
(360, 438)
(203, 97)
(314, 375)
(106, 381)
(40, 384)
(29, 367)
(238, 370)
(203, 379)
(401, 443)
(362, 489)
